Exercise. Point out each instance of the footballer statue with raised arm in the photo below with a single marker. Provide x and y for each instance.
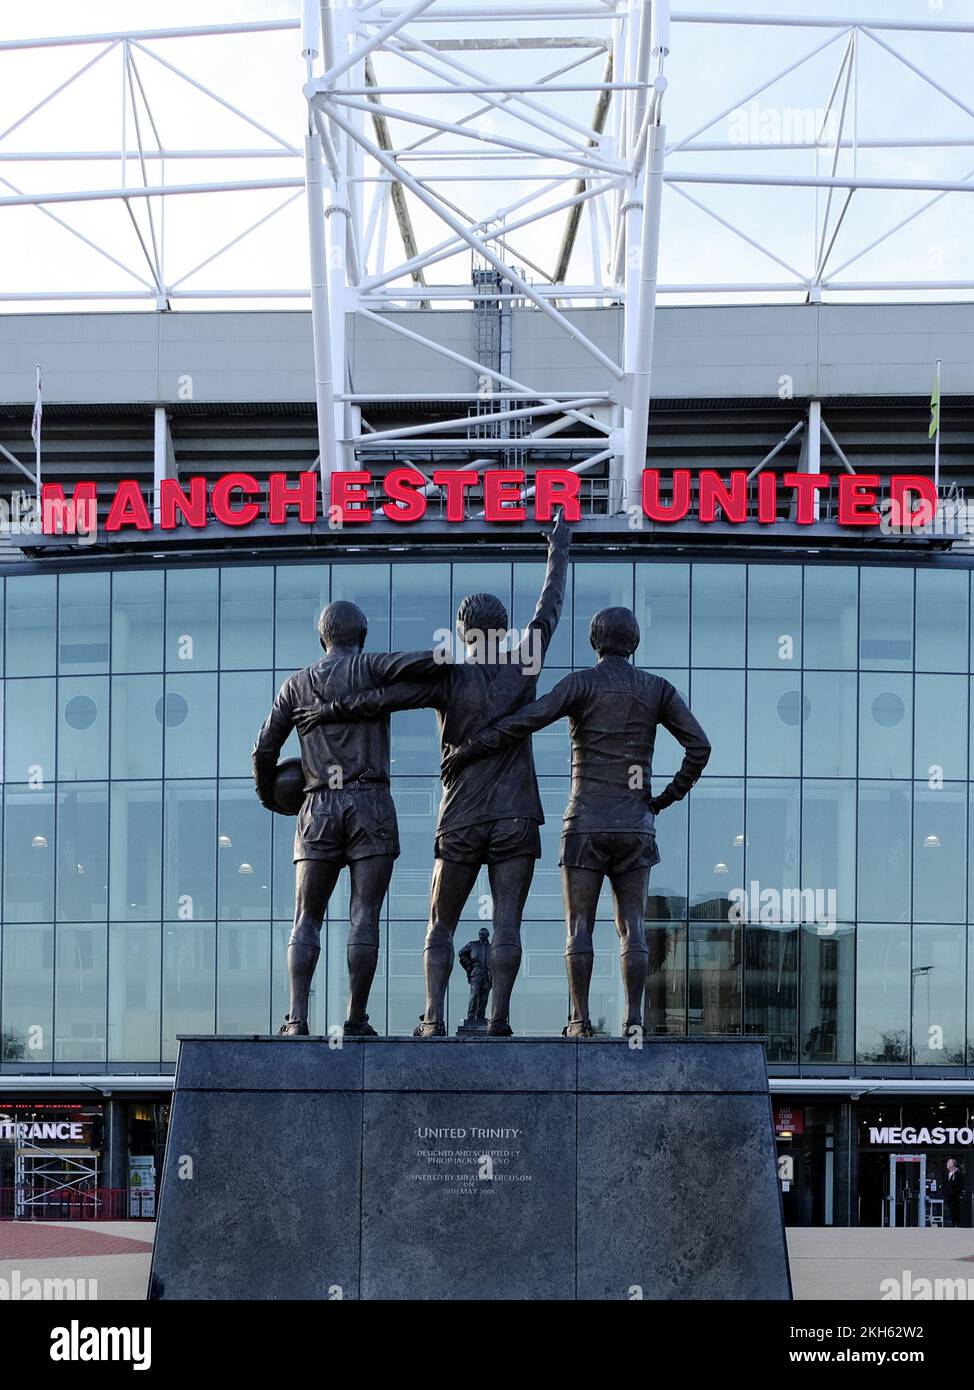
(490, 813)
(614, 710)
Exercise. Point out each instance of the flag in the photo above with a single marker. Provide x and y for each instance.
(934, 429)
(35, 424)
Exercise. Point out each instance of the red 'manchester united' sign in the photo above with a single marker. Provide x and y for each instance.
(403, 495)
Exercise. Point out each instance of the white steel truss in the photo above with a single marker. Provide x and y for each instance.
(526, 140)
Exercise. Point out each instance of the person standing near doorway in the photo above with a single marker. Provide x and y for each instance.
(954, 1192)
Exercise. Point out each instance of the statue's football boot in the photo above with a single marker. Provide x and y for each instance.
(293, 1028)
(580, 1029)
(499, 1028)
(429, 1030)
(358, 1030)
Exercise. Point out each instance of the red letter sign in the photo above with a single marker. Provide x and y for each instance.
(403, 486)
(680, 505)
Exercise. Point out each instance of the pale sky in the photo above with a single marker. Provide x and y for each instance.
(709, 68)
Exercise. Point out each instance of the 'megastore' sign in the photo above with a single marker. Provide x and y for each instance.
(403, 495)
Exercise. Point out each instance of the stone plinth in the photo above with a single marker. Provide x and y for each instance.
(454, 1168)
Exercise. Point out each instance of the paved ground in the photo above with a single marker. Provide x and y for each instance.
(103, 1259)
(825, 1264)
(840, 1264)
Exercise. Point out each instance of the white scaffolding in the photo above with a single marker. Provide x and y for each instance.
(525, 143)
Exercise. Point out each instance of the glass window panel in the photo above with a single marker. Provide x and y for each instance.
(829, 735)
(539, 1004)
(970, 995)
(716, 979)
(28, 856)
(939, 971)
(368, 586)
(528, 581)
(718, 703)
(667, 753)
(771, 855)
(280, 989)
(545, 901)
(282, 879)
(82, 736)
(716, 847)
(135, 840)
(192, 606)
(28, 993)
(597, 586)
(775, 713)
(80, 990)
(247, 617)
(244, 868)
(136, 731)
(83, 620)
(302, 592)
(243, 977)
(31, 624)
(885, 725)
(883, 993)
(137, 620)
(828, 984)
(245, 699)
(82, 854)
(420, 606)
(414, 746)
(885, 835)
(771, 990)
(134, 991)
(191, 847)
(774, 616)
(886, 618)
(941, 619)
(663, 610)
(187, 714)
(939, 852)
(667, 899)
(717, 608)
(831, 618)
(829, 843)
(29, 741)
(188, 982)
(665, 1010)
(551, 746)
(940, 727)
(406, 990)
(416, 806)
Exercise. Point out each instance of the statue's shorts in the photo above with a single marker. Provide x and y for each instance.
(354, 823)
(608, 851)
(490, 842)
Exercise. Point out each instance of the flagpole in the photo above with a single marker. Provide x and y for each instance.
(936, 438)
(37, 439)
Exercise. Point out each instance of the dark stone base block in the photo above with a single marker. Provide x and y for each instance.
(451, 1168)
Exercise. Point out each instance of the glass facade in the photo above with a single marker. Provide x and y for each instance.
(815, 888)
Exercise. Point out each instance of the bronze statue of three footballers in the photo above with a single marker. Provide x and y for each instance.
(490, 811)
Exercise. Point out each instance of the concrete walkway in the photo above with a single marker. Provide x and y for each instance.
(90, 1260)
(826, 1264)
(840, 1264)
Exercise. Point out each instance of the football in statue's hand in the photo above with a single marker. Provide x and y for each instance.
(289, 787)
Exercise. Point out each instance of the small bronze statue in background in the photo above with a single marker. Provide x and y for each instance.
(475, 961)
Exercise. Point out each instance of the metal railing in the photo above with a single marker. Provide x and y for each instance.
(40, 1203)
